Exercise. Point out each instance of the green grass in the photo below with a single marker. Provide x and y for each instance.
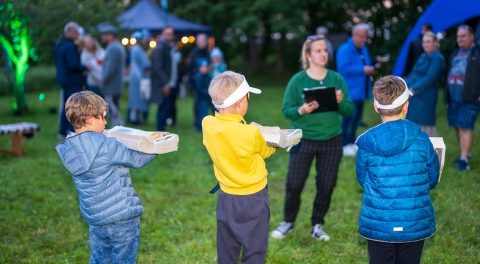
(40, 220)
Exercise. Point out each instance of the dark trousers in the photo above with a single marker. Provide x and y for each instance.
(165, 110)
(328, 154)
(350, 124)
(242, 221)
(65, 126)
(395, 253)
(202, 106)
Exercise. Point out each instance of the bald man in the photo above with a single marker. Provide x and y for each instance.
(462, 92)
(355, 66)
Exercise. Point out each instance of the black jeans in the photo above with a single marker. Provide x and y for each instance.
(328, 154)
(395, 253)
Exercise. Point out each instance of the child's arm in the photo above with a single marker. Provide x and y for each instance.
(261, 146)
(433, 165)
(361, 168)
(127, 157)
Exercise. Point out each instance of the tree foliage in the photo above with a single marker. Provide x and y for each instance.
(268, 31)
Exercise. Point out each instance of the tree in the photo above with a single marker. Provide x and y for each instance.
(30, 28)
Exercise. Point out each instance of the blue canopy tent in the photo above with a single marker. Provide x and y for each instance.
(146, 14)
(442, 14)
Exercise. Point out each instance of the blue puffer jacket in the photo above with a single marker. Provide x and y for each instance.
(99, 168)
(397, 167)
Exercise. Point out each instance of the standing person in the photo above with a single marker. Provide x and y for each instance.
(217, 62)
(164, 76)
(70, 71)
(397, 167)
(321, 30)
(99, 167)
(462, 92)
(92, 56)
(355, 66)
(423, 83)
(238, 150)
(198, 52)
(139, 65)
(416, 49)
(204, 101)
(113, 68)
(321, 140)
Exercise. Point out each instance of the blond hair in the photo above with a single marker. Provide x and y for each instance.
(83, 105)
(223, 85)
(386, 90)
(307, 45)
(433, 36)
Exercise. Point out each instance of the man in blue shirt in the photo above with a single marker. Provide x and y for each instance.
(355, 66)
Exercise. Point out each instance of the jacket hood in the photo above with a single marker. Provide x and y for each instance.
(78, 152)
(390, 138)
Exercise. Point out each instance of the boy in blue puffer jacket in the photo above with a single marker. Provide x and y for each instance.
(99, 168)
(397, 167)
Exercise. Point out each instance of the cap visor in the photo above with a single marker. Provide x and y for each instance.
(410, 92)
(255, 90)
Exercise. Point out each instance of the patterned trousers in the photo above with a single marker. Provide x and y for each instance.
(328, 154)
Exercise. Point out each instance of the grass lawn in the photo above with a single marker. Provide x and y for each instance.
(40, 220)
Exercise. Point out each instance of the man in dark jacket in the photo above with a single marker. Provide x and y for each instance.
(164, 76)
(415, 50)
(200, 51)
(112, 69)
(462, 92)
(70, 72)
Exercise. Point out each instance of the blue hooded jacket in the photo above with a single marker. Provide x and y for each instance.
(397, 167)
(99, 168)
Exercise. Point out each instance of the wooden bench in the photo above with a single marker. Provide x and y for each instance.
(18, 132)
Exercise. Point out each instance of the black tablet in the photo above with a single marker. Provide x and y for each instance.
(325, 97)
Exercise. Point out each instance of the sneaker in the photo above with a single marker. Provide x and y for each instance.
(282, 230)
(354, 147)
(348, 151)
(458, 159)
(463, 164)
(318, 233)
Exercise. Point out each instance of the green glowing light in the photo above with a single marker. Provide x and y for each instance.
(14, 106)
(41, 97)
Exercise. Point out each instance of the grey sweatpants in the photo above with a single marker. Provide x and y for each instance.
(242, 220)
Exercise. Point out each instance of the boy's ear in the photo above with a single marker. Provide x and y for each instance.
(89, 120)
(375, 107)
(405, 107)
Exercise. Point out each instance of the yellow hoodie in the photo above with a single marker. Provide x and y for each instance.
(237, 151)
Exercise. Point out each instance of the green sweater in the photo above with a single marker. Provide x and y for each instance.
(317, 126)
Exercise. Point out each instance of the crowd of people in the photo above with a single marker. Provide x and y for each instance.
(395, 162)
(154, 75)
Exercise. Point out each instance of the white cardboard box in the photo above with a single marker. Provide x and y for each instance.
(441, 149)
(280, 138)
(144, 141)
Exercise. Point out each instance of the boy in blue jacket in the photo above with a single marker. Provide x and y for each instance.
(397, 167)
(99, 168)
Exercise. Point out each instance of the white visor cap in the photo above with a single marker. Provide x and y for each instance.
(399, 101)
(238, 94)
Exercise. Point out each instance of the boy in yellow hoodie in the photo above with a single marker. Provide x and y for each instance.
(238, 151)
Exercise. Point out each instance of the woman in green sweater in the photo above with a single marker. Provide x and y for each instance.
(321, 140)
